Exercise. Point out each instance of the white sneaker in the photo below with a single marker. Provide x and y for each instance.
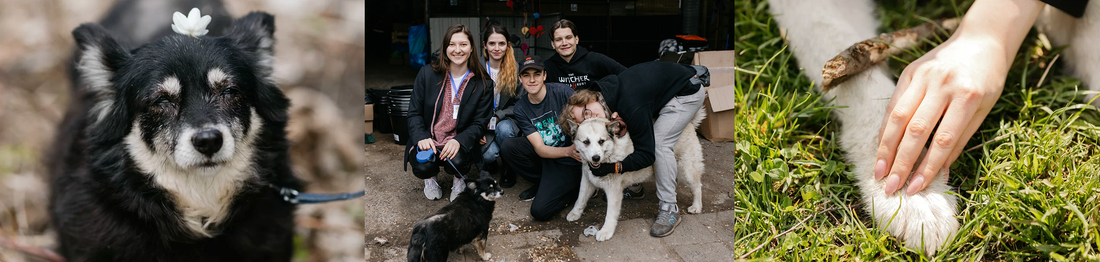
(458, 187)
(431, 189)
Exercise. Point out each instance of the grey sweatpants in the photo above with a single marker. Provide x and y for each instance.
(670, 123)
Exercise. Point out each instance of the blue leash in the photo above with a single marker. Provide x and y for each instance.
(294, 197)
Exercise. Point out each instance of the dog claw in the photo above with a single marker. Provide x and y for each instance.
(695, 209)
(486, 256)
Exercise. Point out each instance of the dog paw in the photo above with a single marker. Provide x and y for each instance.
(924, 221)
(605, 234)
(486, 256)
(695, 209)
(573, 216)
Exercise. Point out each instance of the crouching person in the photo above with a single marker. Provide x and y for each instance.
(543, 154)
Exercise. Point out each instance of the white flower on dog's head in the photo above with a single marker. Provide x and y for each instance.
(191, 25)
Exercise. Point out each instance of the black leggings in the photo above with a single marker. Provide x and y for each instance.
(558, 183)
(430, 169)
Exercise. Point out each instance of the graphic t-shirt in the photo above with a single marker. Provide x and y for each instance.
(543, 117)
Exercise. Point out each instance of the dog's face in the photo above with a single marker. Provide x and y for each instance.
(486, 187)
(191, 103)
(593, 139)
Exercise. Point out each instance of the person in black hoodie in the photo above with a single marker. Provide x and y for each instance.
(668, 92)
(574, 65)
(448, 111)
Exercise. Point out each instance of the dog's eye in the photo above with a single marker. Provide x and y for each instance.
(586, 142)
(601, 142)
(230, 90)
(163, 100)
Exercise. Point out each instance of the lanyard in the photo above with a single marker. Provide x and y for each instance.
(454, 85)
(496, 98)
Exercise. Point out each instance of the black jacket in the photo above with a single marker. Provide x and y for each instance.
(473, 113)
(585, 67)
(638, 94)
(504, 109)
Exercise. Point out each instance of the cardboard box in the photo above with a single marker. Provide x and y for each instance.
(368, 110)
(718, 126)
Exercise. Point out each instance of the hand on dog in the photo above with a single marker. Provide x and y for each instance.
(954, 85)
(603, 169)
(449, 150)
(426, 144)
(571, 151)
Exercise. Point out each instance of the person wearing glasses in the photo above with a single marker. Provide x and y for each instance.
(543, 154)
(655, 100)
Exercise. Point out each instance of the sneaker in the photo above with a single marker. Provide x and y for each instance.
(507, 179)
(457, 187)
(631, 192)
(667, 219)
(431, 189)
(634, 192)
(529, 194)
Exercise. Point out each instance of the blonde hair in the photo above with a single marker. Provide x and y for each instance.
(507, 78)
(580, 99)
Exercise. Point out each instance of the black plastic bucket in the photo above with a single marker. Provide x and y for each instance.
(399, 113)
(381, 99)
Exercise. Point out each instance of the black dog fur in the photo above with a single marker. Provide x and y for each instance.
(461, 222)
(105, 208)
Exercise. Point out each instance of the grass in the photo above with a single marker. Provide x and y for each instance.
(1027, 185)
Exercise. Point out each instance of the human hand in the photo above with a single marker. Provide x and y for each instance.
(449, 150)
(482, 141)
(571, 151)
(426, 144)
(603, 170)
(954, 85)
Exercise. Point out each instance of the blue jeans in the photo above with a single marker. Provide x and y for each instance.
(505, 129)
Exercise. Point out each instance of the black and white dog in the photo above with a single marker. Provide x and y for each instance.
(170, 151)
(463, 220)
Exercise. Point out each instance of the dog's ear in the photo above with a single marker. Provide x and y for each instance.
(97, 62)
(613, 128)
(255, 34)
(570, 127)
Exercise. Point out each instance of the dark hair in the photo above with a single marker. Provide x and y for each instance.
(508, 77)
(444, 62)
(564, 23)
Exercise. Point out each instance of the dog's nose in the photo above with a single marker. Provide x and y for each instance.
(207, 142)
(596, 159)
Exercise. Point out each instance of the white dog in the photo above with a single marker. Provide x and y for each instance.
(819, 30)
(596, 142)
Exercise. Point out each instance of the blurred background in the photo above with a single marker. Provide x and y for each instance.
(319, 62)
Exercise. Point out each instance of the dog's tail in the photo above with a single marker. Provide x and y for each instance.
(416, 244)
(699, 116)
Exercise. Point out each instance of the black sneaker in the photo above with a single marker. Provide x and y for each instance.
(627, 194)
(507, 179)
(529, 194)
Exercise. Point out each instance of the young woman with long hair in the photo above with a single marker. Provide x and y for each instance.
(448, 112)
(501, 65)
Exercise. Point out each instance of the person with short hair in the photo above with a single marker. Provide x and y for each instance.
(544, 155)
(575, 65)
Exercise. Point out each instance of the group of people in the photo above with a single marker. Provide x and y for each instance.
(469, 112)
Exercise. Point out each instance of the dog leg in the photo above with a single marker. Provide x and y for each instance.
(614, 205)
(817, 32)
(479, 244)
(1081, 57)
(582, 199)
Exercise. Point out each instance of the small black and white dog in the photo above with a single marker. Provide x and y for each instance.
(170, 151)
(464, 220)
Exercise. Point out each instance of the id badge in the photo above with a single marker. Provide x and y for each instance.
(493, 123)
(455, 112)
